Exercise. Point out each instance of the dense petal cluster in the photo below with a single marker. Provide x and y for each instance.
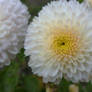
(13, 24)
(59, 42)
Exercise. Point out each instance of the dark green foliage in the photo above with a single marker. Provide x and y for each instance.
(80, 1)
(9, 77)
(63, 86)
(32, 84)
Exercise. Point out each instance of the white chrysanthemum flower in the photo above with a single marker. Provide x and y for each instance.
(59, 42)
(89, 3)
(13, 24)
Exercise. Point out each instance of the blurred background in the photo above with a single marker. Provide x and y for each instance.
(18, 76)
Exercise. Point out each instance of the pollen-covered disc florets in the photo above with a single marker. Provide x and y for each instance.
(64, 42)
(59, 42)
(13, 24)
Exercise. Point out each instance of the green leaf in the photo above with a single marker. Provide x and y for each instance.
(1, 79)
(19, 89)
(63, 86)
(10, 77)
(32, 84)
(85, 87)
(80, 1)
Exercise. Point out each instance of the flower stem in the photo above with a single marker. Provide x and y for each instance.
(50, 88)
(73, 88)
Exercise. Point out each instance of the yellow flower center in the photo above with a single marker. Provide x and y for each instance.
(65, 43)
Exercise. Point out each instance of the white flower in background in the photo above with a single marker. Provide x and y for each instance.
(13, 24)
(89, 3)
(59, 42)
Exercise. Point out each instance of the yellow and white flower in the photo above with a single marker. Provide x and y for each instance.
(13, 25)
(59, 42)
